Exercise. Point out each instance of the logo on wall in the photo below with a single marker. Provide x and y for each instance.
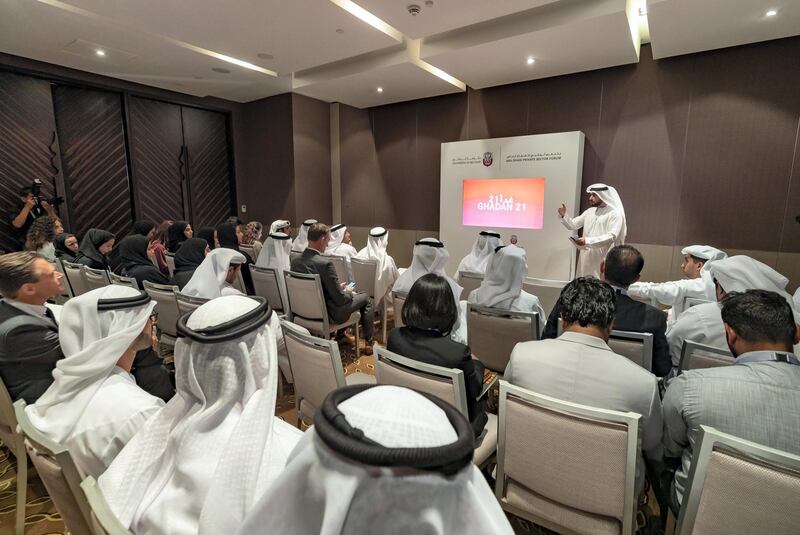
(487, 159)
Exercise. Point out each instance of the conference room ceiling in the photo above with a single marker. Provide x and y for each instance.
(344, 51)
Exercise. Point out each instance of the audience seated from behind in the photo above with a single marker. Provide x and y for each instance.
(215, 275)
(210, 235)
(703, 323)
(284, 226)
(301, 241)
(66, 246)
(429, 314)
(42, 234)
(29, 347)
(230, 236)
(96, 244)
(158, 244)
(340, 301)
(134, 261)
(206, 458)
(94, 406)
(341, 243)
(275, 253)
(381, 459)
(177, 233)
(145, 229)
(622, 266)
(578, 366)
(482, 250)
(757, 398)
(251, 237)
(188, 258)
(387, 273)
(502, 284)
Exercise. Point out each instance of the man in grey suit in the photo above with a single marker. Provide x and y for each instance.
(29, 347)
(579, 367)
(340, 301)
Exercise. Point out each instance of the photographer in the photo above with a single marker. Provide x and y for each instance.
(33, 206)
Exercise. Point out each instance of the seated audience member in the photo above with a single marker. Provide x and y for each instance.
(578, 366)
(188, 258)
(40, 238)
(381, 459)
(29, 347)
(252, 237)
(341, 243)
(703, 323)
(696, 259)
(482, 250)
(139, 228)
(143, 228)
(339, 301)
(206, 458)
(230, 236)
(284, 226)
(757, 398)
(66, 246)
(177, 233)
(275, 253)
(158, 243)
(429, 314)
(94, 406)
(796, 300)
(502, 285)
(215, 275)
(96, 244)
(210, 235)
(622, 266)
(135, 263)
(301, 241)
(387, 274)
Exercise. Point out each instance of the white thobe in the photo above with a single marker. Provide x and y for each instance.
(701, 324)
(672, 293)
(602, 228)
(115, 413)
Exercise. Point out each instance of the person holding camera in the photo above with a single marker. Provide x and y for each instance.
(33, 206)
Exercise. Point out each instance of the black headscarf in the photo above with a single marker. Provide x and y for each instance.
(62, 251)
(175, 235)
(191, 254)
(226, 234)
(89, 252)
(133, 252)
(207, 233)
(142, 228)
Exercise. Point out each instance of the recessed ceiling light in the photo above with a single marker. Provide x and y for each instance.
(771, 13)
(339, 31)
(100, 52)
(264, 55)
(380, 90)
(531, 61)
(221, 70)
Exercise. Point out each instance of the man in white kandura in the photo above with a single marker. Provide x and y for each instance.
(696, 261)
(94, 406)
(604, 226)
(387, 274)
(381, 459)
(284, 226)
(482, 250)
(341, 243)
(301, 241)
(216, 274)
(206, 458)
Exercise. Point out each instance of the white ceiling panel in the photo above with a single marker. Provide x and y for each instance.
(686, 26)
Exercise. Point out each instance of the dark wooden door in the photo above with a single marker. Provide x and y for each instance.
(92, 139)
(205, 135)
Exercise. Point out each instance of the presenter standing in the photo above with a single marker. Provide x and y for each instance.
(603, 225)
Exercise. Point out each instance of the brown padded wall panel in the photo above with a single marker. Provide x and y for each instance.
(395, 131)
(92, 140)
(311, 130)
(790, 237)
(498, 111)
(360, 178)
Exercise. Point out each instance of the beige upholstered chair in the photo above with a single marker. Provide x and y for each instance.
(695, 356)
(294, 254)
(15, 442)
(75, 278)
(267, 285)
(398, 300)
(444, 383)
(95, 278)
(637, 347)
(104, 521)
(67, 293)
(239, 282)
(307, 306)
(492, 333)
(58, 473)
(548, 291)
(365, 272)
(249, 250)
(738, 486)
(170, 258)
(340, 264)
(689, 302)
(187, 303)
(316, 369)
(469, 281)
(568, 467)
(168, 312)
(123, 281)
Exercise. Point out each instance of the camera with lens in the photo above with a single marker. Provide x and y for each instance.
(36, 191)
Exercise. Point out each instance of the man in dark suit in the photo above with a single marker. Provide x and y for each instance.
(340, 301)
(621, 268)
(29, 347)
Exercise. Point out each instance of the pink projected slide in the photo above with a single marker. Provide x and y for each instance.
(503, 202)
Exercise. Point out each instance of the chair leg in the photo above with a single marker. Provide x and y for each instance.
(385, 318)
(22, 486)
(358, 349)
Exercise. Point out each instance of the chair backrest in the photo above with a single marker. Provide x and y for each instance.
(738, 486)
(239, 282)
(341, 267)
(8, 420)
(398, 300)
(166, 306)
(548, 291)
(104, 521)
(695, 356)
(306, 302)
(170, 258)
(365, 272)
(637, 347)
(316, 367)
(58, 472)
(95, 278)
(77, 281)
(267, 285)
(249, 250)
(565, 465)
(444, 383)
(294, 254)
(469, 281)
(187, 303)
(123, 281)
(492, 333)
(689, 302)
(67, 293)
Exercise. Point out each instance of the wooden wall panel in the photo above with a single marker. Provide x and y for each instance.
(311, 131)
(361, 184)
(92, 140)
